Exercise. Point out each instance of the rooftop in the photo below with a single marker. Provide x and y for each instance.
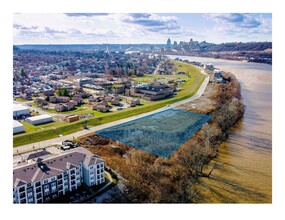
(39, 117)
(40, 169)
(19, 107)
(16, 124)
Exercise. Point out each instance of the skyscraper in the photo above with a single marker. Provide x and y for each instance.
(168, 44)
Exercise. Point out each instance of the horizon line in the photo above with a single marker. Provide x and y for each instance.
(43, 44)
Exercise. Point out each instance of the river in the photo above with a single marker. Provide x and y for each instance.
(245, 175)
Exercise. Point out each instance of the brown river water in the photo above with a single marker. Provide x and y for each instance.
(245, 175)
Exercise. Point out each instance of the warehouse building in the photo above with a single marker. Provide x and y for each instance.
(17, 127)
(20, 110)
(42, 180)
(40, 119)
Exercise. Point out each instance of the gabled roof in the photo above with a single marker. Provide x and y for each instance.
(46, 168)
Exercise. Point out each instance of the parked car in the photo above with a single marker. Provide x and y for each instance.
(71, 144)
(65, 147)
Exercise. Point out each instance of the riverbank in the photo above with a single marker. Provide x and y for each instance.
(246, 156)
(153, 179)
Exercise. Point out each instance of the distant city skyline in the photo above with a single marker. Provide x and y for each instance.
(98, 28)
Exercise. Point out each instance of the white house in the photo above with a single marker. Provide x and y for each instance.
(40, 119)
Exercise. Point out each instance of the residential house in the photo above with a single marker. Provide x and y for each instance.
(101, 107)
(115, 101)
(132, 101)
(59, 99)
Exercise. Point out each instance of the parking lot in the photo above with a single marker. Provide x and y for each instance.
(20, 159)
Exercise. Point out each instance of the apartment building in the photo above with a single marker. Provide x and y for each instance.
(46, 179)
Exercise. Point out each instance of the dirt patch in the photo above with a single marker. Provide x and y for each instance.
(206, 103)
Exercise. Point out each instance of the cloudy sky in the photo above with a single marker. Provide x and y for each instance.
(97, 28)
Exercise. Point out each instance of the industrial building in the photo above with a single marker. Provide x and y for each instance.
(42, 180)
(20, 110)
(40, 119)
(17, 127)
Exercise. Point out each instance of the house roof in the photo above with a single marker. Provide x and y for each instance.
(46, 168)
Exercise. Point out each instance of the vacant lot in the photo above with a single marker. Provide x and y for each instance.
(160, 134)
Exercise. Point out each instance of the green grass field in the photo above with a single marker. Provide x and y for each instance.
(188, 89)
(32, 128)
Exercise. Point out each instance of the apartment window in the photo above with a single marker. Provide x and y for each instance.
(23, 201)
(72, 172)
(59, 176)
(53, 178)
(30, 194)
(102, 164)
(38, 184)
(59, 182)
(98, 165)
(45, 181)
(60, 187)
(38, 190)
(21, 189)
(91, 167)
(39, 195)
(39, 201)
(22, 195)
(46, 190)
(72, 177)
(30, 200)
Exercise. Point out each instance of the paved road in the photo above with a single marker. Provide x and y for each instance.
(47, 143)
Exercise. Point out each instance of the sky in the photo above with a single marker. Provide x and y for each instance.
(98, 28)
